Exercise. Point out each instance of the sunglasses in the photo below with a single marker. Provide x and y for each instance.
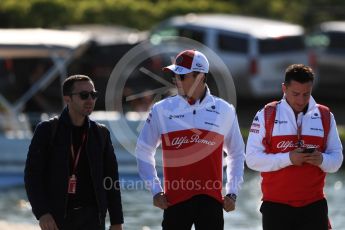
(84, 95)
(181, 76)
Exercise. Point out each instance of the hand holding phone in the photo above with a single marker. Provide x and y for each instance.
(309, 150)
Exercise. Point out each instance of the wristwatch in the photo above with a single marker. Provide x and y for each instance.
(232, 196)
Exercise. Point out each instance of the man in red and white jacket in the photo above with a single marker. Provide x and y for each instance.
(279, 143)
(194, 127)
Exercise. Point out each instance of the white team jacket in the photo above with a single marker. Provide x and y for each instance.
(285, 125)
(193, 138)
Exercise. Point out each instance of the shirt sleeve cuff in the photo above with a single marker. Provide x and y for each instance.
(284, 160)
(324, 165)
(156, 188)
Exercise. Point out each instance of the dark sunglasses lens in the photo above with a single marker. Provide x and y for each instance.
(180, 76)
(94, 95)
(85, 95)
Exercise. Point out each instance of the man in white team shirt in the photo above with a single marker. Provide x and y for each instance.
(194, 127)
(294, 143)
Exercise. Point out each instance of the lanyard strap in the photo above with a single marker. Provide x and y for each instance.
(75, 158)
(299, 135)
(299, 130)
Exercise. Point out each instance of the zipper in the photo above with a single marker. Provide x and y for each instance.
(68, 171)
(194, 114)
(299, 120)
(92, 179)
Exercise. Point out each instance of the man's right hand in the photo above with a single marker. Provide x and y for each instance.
(297, 157)
(47, 222)
(160, 200)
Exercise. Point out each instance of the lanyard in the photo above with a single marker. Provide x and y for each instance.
(299, 130)
(75, 158)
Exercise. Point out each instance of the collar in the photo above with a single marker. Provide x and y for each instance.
(65, 118)
(203, 98)
(310, 106)
(204, 94)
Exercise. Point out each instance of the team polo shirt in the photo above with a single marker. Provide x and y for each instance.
(193, 138)
(283, 182)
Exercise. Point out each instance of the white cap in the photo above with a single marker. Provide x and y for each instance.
(188, 61)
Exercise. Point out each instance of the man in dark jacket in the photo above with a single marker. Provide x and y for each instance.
(71, 173)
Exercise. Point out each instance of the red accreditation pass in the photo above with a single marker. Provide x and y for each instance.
(72, 184)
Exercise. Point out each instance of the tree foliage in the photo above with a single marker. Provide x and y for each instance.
(143, 14)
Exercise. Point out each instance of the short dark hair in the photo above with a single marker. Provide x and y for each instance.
(68, 84)
(300, 73)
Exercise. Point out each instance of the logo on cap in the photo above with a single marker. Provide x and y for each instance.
(178, 69)
(179, 60)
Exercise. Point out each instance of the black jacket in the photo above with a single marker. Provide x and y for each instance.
(47, 170)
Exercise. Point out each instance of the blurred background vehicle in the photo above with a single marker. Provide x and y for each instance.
(109, 44)
(256, 51)
(33, 65)
(328, 41)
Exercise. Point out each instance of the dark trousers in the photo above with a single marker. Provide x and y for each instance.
(85, 218)
(284, 217)
(203, 211)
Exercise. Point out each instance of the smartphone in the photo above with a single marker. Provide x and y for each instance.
(309, 150)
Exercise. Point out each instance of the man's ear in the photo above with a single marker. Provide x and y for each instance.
(67, 99)
(284, 87)
(205, 78)
(200, 75)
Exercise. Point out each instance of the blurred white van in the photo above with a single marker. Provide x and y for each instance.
(256, 51)
(328, 41)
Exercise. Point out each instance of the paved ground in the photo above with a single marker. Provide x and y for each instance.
(13, 226)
